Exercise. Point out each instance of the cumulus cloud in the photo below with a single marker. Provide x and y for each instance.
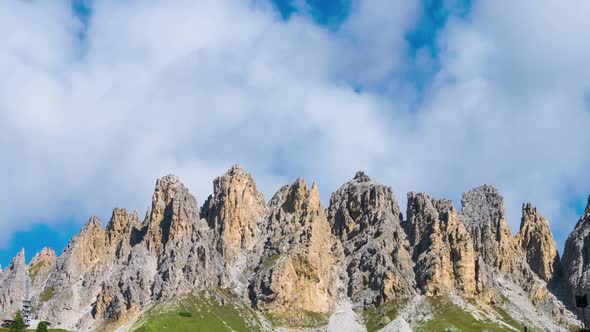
(190, 88)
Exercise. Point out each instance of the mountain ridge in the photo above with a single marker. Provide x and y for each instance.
(296, 262)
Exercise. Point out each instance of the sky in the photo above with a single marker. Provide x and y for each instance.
(100, 98)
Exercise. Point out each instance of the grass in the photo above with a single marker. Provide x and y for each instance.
(377, 317)
(47, 294)
(449, 317)
(200, 314)
(270, 261)
(301, 319)
(34, 270)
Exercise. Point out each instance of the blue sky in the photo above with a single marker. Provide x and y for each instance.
(101, 98)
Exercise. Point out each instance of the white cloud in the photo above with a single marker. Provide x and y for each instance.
(192, 87)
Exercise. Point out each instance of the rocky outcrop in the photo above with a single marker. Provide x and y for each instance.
(85, 250)
(442, 246)
(575, 262)
(367, 220)
(297, 275)
(172, 214)
(485, 216)
(75, 280)
(501, 260)
(236, 212)
(12, 286)
(169, 255)
(40, 267)
(537, 241)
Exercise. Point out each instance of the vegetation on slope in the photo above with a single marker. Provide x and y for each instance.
(377, 317)
(447, 316)
(202, 313)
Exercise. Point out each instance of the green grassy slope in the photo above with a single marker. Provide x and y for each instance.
(449, 317)
(444, 316)
(200, 314)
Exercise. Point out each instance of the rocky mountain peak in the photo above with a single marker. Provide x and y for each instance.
(366, 218)
(12, 285)
(18, 261)
(484, 214)
(575, 262)
(442, 246)
(359, 203)
(483, 205)
(236, 171)
(91, 226)
(122, 220)
(296, 271)
(45, 255)
(360, 176)
(40, 267)
(172, 213)
(84, 250)
(500, 256)
(235, 212)
(298, 195)
(537, 241)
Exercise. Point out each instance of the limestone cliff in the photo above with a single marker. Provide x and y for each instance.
(501, 265)
(236, 212)
(40, 267)
(12, 285)
(575, 263)
(485, 216)
(537, 241)
(297, 272)
(367, 220)
(442, 246)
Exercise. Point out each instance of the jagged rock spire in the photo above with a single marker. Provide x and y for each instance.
(484, 214)
(575, 262)
(173, 211)
(360, 176)
(296, 273)
(40, 267)
(12, 284)
(366, 218)
(235, 212)
(442, 246)
(536, 239)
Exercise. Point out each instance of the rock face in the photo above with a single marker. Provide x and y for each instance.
(12, 286)
(501, 264)
(576, 258)
(236, 212)
(367, 220)
(297, 271)
(40, 267)
(442, 246)
(485, 216)
(172, 214)
(536, 240)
